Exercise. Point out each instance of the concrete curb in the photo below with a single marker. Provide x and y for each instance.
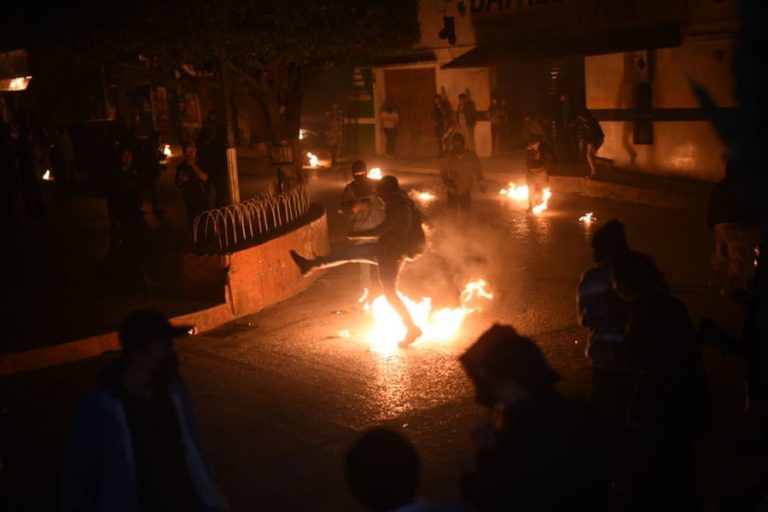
(601, 189)
(36, 359)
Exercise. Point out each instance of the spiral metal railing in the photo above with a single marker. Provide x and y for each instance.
(248, 222)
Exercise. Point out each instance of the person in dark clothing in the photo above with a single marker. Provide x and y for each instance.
(459, 169)
(540, 451)
(134, 444)
(440, 123)
(128, 229)
(383, 471)
(590, 140)
(539, 160)
(668, 408)
(605, 314)
(193, 182)
(363, 207)
(732, 217)
(400, 237)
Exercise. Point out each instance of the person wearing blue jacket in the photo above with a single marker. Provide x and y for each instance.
(134, 444)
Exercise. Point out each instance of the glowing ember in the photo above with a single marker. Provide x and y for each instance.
(375, 173)
(15, 84)
(313, 160)
(167, 150)
(441, 325)
(520, 194)
(544, 200)
(423, 197)
(588, 218)
(47, 176)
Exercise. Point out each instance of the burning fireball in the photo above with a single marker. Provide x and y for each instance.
(438, 325)
(375, 173)
(313, 160)
(588, 218)
(521, 193)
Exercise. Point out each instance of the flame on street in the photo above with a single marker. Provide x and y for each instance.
(47, 175)
(375, 173)
(167, 150)
(588, 218)
(313, 160)
(438, 325)
(423, 197)
(521, 193)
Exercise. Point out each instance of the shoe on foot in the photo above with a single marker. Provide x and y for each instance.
(304, 264)
(411, 336)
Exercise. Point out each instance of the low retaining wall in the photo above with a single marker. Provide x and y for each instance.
(252, 279)
(247, 281)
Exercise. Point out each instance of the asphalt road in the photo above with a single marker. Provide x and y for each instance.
(282, 393)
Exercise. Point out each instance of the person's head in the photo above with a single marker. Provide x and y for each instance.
(359, 169)
(126, 156)
(636, 276)
(438, 100)
(507, 368)
(387, 187)
(534, 142)
(383, 470)
(609, 242)
(457, 143)
(146, 340)
(189, 149)
(462, 98)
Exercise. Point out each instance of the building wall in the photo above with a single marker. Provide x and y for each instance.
(684, 142)
(453, 81)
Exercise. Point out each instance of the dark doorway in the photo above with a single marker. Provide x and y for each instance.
(411, 91)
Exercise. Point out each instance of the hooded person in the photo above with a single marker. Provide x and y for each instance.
(359, 201)
(605, 313)
(536, 440)
(399, 237)
(134, 444)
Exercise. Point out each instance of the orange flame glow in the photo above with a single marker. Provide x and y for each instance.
(588, 218)
(438, 325)
(47, 176)
(375, 173)
(520, 194)
(313, 160)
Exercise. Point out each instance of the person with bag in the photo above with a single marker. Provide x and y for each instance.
(399, 238)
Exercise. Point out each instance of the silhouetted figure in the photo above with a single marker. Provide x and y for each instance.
(466, 119)
(496, 115)
(134, 444)
(459, 169)
(440, 122)
(363, 207)
(733, 217)
(540, 451)
(539, 161)
(383, 472)
(591, 138)
(30, 180)
(192, 179)
(400, 237)
(334, 130)
(129, 230)
(605, 314)
(668, 409)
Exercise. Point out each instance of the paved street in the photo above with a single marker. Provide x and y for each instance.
(281, 393)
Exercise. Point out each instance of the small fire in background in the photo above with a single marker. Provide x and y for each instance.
(167, 150)
(302, 134)
(588, 218)
(520, 194)
(47, 176)
(423, 197)
(438, 325)
(375, 173)
(313, 160)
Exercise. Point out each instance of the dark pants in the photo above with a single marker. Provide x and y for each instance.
(391, 134)
(388, 262)
(460, 204)
(537, 180)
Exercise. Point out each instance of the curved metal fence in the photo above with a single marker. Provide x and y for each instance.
(248, 222)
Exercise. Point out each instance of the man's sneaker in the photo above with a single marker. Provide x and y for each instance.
(304, 264)
(412, 335)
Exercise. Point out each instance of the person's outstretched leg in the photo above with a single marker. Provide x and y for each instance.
(363, 253)
(388, 271)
